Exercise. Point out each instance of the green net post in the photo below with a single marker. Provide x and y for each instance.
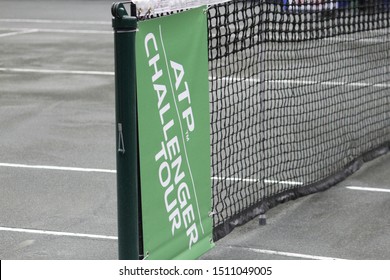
(125, 27)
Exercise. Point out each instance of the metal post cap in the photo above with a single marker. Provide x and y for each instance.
(120, 17)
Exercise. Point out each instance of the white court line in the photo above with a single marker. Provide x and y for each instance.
(74, 31)
(51, 30)
(234, 79)
(61, 168)
(332, 39)
(256, 180)
(328, 83)
(51, 71)
(361, 40)
(368, 189)
(58, 233)
(300, 82)
(283, 182)
(20, 20)
(297, 82)
(287, 254)
(229, 179)
(234, 179)
(359, 84)
(24, 31)
(250, 180)
(333, 83)
(78, 169)
(381, 85)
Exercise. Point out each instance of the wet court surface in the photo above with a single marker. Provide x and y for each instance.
(57, 155)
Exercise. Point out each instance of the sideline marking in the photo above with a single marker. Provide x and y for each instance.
(62, 168)
(272, 252)
(49, 71)
(58, 233)
(368, 189)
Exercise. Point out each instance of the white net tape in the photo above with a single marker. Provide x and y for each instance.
(161, 6)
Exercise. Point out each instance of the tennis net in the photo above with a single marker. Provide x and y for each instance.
(299, 99)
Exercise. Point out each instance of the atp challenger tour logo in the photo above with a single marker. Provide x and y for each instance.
(173, 102)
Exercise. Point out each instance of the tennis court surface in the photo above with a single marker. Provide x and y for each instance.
(57, 145)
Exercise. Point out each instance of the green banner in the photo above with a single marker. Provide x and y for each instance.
(174, 135)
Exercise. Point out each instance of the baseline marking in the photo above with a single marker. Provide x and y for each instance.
(62, 168)
(58, 233)
(368, 189)
(287, 254)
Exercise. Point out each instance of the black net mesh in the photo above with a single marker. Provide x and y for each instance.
(299, 99)
(299, 93)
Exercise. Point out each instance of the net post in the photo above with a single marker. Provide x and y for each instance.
(127, 160)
